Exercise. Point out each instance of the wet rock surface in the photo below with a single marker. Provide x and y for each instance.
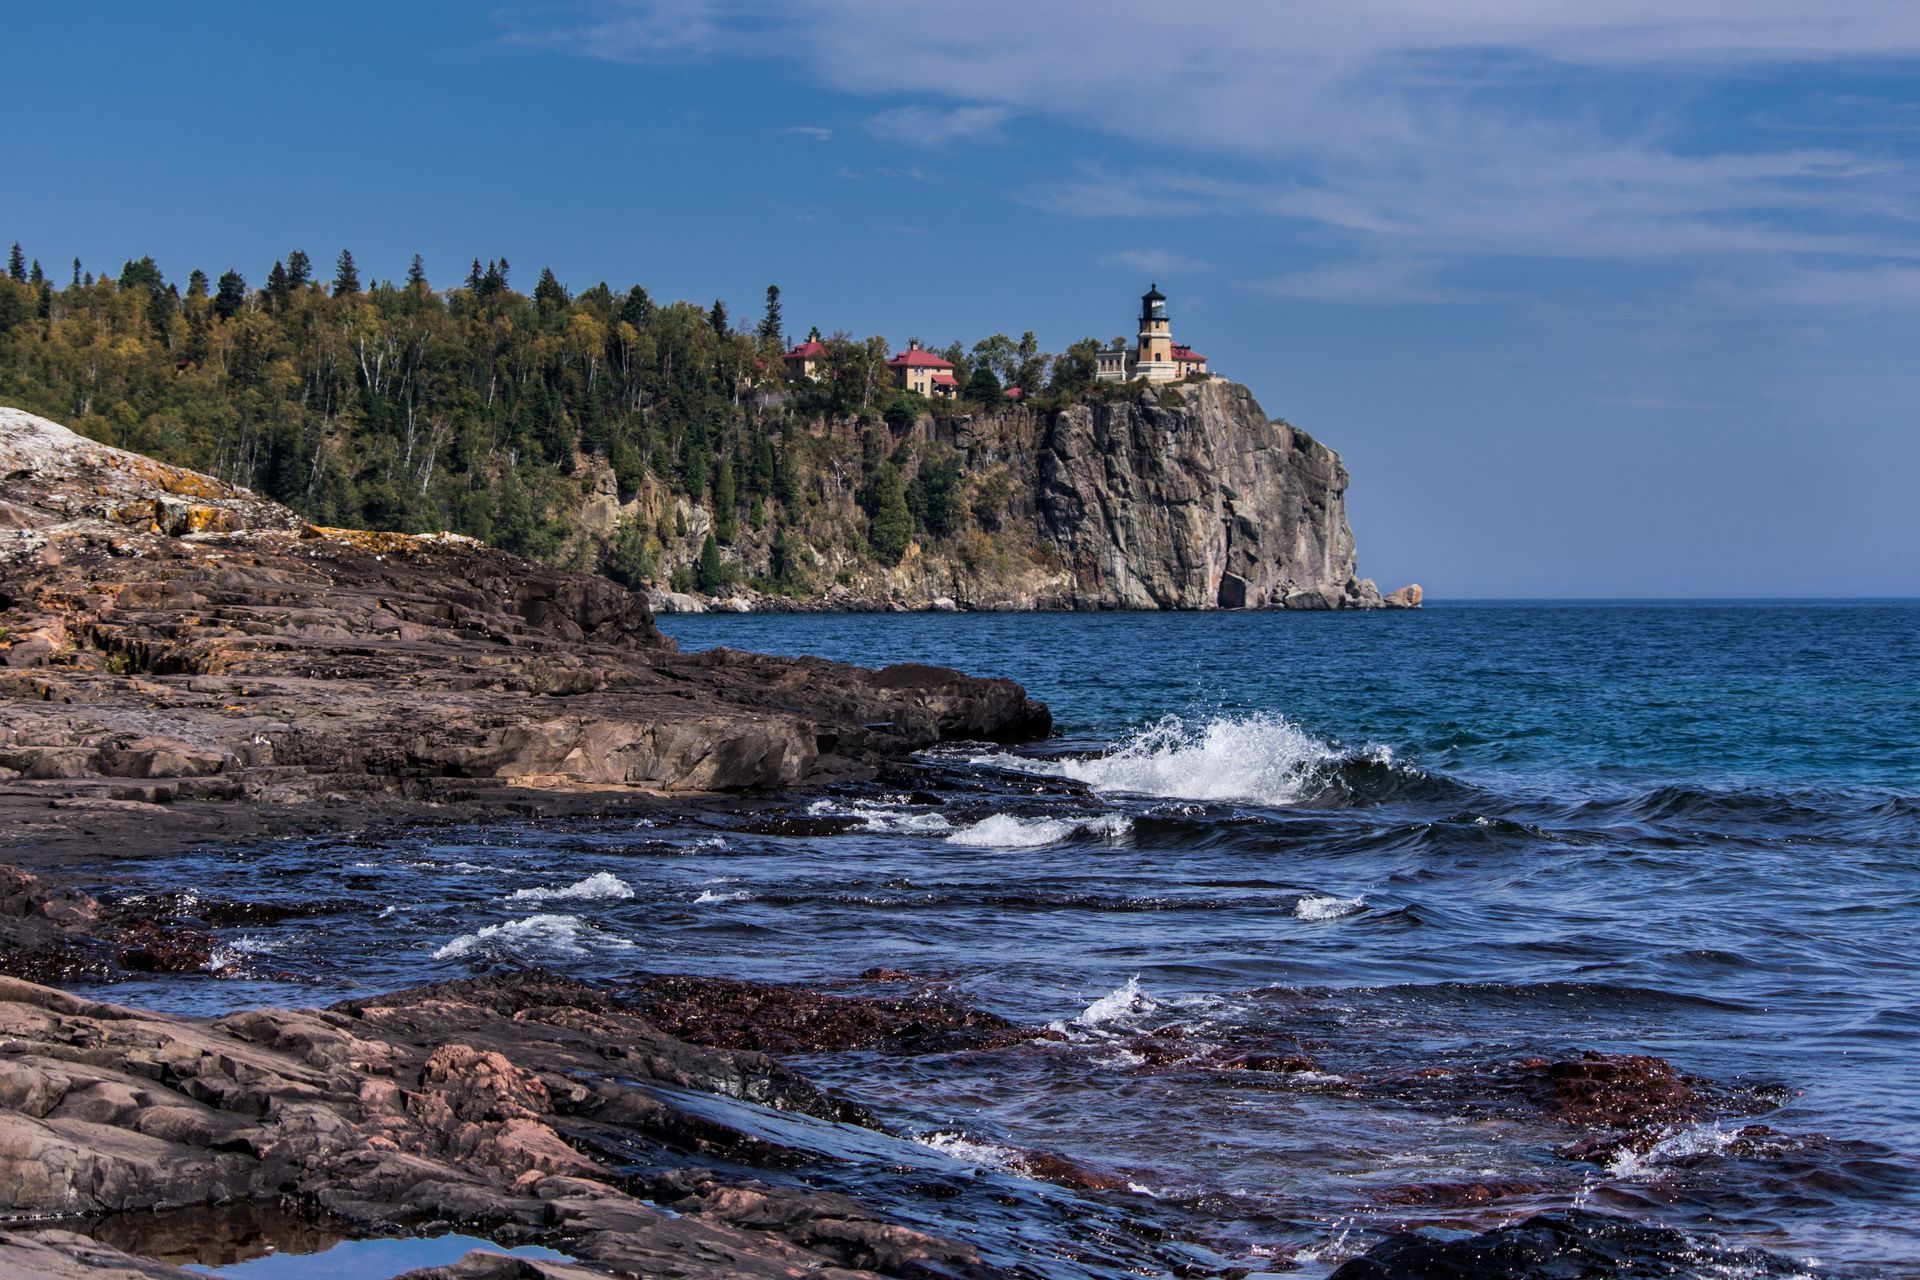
(487, 1103)
(1570, 1245)
(776, 1019)
(170, 644)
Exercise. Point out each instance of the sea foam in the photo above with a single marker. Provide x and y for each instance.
(1005, 831)
(540, 935)
(1324, 906)
(601, 884)
(1260, 759)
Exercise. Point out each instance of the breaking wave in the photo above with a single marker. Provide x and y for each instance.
(602, 884)
(1324, 906)
(1005, 831)
(880, 818)
(541, 936)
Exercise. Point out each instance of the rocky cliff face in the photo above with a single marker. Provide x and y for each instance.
(1181, 497)
(1200, 504)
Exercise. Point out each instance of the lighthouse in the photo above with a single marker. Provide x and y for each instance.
(1154, 356)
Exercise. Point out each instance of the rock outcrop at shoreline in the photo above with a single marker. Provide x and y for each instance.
(168, 641)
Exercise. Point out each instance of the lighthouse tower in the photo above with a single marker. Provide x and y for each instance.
(1153, 358)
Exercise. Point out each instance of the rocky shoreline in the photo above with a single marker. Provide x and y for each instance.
(181, 660)
(639, 1127)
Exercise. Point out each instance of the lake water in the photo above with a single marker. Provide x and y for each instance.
(1404, 847)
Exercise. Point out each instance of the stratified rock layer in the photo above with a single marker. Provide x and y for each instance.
(168, 640)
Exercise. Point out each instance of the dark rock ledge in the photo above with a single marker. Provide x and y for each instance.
(170, 644)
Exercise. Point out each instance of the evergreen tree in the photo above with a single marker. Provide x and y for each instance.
(982, 386)
(474, 278)
(346, 276)
(709, 574)
(549, 295)
(231, 295)
(770, 325)
(43, 308)
(197, 283)
(299, 271)
(35, 275)
(890, 529)
(417, 274)
(276, 286)
(636, 308)
(934, 497)
(76, 273)
(17, 263)
(629, 560)
(718, 316)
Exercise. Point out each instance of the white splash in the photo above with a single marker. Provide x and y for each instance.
(956, 1146)
(551, 935)
(1124, 1001)
(1324, 906)
(885, 819)
(601, 884)
(1261, 759)
(1700, 1140)
(709, 896)
(1005, 831)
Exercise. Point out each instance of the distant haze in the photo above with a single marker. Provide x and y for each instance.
(1594, 300)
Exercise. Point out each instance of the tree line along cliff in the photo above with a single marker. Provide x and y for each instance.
(660, 445)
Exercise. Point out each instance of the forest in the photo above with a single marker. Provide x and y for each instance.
(481, 410)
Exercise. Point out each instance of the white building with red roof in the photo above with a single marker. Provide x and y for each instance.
(1154, 356)
(919, 370)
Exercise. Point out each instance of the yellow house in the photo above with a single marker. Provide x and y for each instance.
(918, 370)
(804, 361)
(1154, 356)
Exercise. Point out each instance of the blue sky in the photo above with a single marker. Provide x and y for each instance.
(1592, 303)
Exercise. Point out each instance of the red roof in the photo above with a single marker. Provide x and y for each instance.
(945, 379)
(1013, 393)
(808, 350)
(1187, 355)
(918, 358)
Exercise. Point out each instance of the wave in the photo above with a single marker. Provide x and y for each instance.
(881, 818)
(709, 896)
(1324, 906)
(1125, 1002)
(540, 936)
(1252, 759)
(601, 884)
(1005, 831)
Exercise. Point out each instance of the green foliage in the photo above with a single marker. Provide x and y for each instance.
(629, 559)
(982, 386)
(934, 497)
(483, 411)
(890, 522)
(709, 572)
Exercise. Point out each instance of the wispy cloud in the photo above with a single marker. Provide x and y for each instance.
(1402, 133)
(1157, 262)
(816, 132)
(923, 126)
(1367, 281)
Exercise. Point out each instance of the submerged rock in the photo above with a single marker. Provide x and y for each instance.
(1574, 1244)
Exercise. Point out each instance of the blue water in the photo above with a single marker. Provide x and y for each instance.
(1395, 842)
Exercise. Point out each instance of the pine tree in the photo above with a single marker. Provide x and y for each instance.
(299, 271)
(197, 283)
(76, 273)
(231, 295)
(719, 317)
(276, 285)
(549, 295)
(474, 278)
(637, 308)
(17, 263)
(770, 324)
(417, 274)
(43, 309)
(710, 574)
(346, 276)
(890, 529)
(35, 275)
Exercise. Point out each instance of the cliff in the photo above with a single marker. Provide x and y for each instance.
(1178, 497)
(169, 642)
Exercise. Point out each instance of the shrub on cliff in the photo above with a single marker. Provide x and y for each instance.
(890, 526)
